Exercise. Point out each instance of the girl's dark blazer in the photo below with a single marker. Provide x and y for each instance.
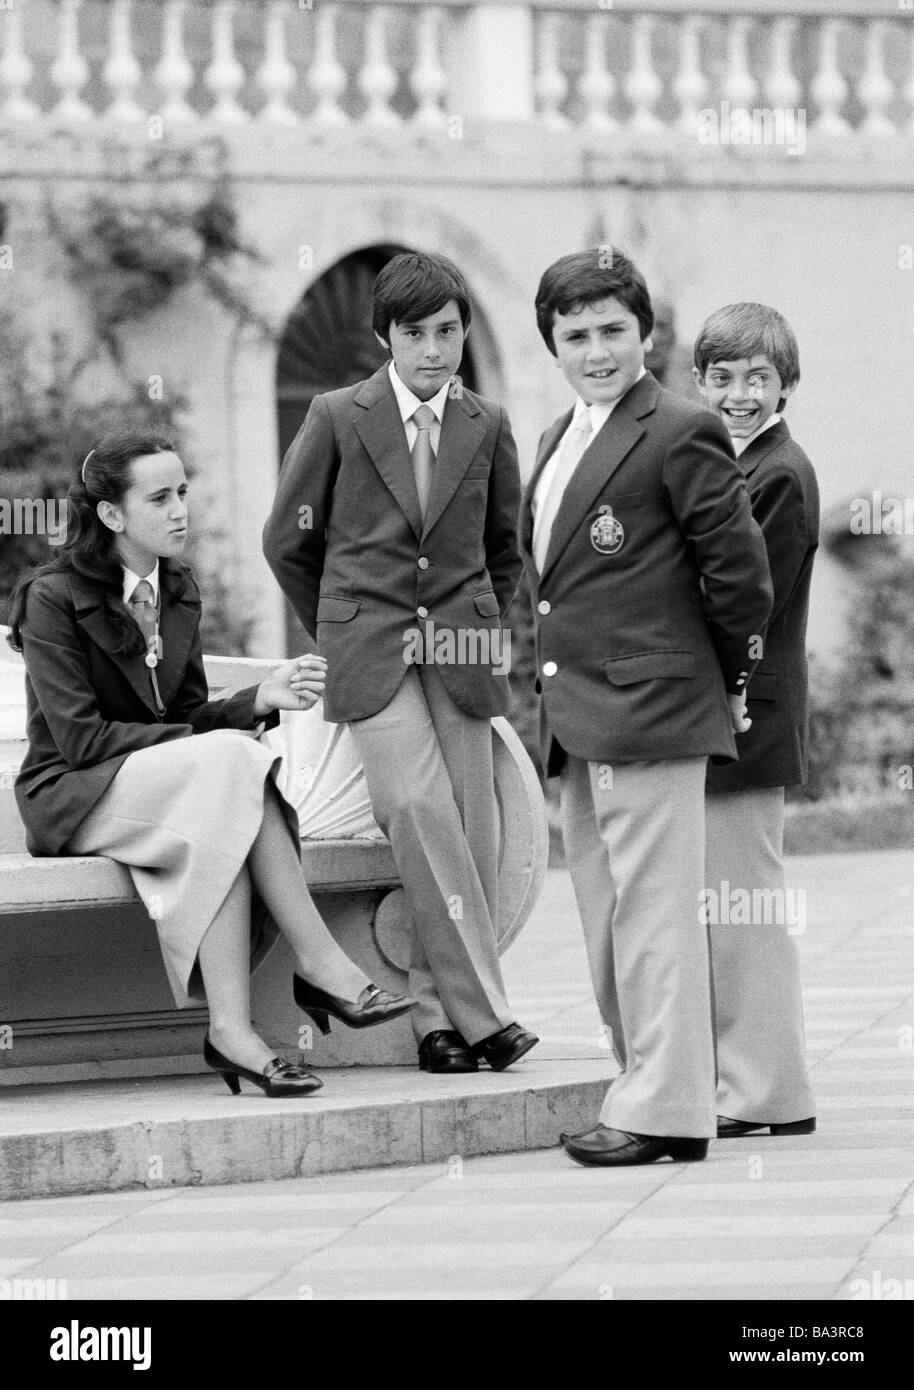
(785, 503)
(90, 706)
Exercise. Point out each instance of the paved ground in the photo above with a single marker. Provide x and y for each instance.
(831, 1216)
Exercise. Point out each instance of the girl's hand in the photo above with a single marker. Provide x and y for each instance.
(297, 685)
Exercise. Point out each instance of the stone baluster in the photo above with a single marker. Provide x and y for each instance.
(224, 77)
(829, 89)
(740, 87)
(16, 72)
(173, 73)
(597, 84)
(70, 71)
(874, 88)
(642, 85)
(690, 86)
(428, 81)
(276, 75)
(327, 76)
(909, 89)
(377, 79)
(122, 72)
(782, 90)
(550, 83)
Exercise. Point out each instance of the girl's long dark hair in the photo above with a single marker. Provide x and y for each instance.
(90, 547)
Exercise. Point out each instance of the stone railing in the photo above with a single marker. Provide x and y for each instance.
(646, 68)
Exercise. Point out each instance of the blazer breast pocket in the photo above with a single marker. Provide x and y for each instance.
(649, 666)
(487, 604)
(337, 610)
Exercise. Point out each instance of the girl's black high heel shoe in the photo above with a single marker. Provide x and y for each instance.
(373, 1005)
(278, 1078)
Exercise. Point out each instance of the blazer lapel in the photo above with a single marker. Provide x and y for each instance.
(93, 617)
(179, 622)
(380, 429)
(599, 462)
(762, 446)
(545, 451)
(462, 433)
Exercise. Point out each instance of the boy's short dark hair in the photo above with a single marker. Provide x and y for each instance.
(748, 330)
(413, 285)
(586, 277)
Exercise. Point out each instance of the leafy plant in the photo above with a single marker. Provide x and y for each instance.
(48, 425)
(127, 255)
(878, 685)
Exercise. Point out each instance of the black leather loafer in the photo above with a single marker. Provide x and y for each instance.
(735, 1129)
(615, 1148)
(278, 1077)
(503, 1048)
(373, 1005)
(446, 1051)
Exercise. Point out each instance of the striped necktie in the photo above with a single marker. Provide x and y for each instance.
(142, 605)
(422, 454)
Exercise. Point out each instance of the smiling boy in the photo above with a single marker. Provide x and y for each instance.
(649, 579)
(747, 364)
(410, 487)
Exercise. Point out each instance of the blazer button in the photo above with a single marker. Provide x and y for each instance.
(421, 612)
(550, 668)
(544, 607)
(423, 562)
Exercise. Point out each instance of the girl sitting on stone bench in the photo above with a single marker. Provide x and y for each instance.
(129, 758)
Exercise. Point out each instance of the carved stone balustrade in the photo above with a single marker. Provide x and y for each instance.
(616, 72)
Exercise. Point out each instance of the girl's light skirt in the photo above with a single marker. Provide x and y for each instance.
(182, 816)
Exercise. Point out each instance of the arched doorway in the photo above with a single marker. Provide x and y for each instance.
(328, 343)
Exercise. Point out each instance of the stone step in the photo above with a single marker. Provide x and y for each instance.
(189, 1131)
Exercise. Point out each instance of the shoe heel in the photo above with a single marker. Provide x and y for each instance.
(688, 1150)
(232, 1081)
(797, 1127)
(321, 1020)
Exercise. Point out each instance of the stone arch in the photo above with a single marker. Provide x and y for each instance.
(327, 341)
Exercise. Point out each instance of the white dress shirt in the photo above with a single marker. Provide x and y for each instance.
(599, 414)
(740, 444)
(410, 403)
(131, 580)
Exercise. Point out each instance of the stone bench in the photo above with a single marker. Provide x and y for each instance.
(83, 993)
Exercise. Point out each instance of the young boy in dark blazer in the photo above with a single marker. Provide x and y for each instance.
(394, 526)
(746, 365)
(649, 579)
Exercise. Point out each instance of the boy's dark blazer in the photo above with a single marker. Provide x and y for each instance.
(646, 640)
(361, 569)
(785, 503)
(89, 706)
